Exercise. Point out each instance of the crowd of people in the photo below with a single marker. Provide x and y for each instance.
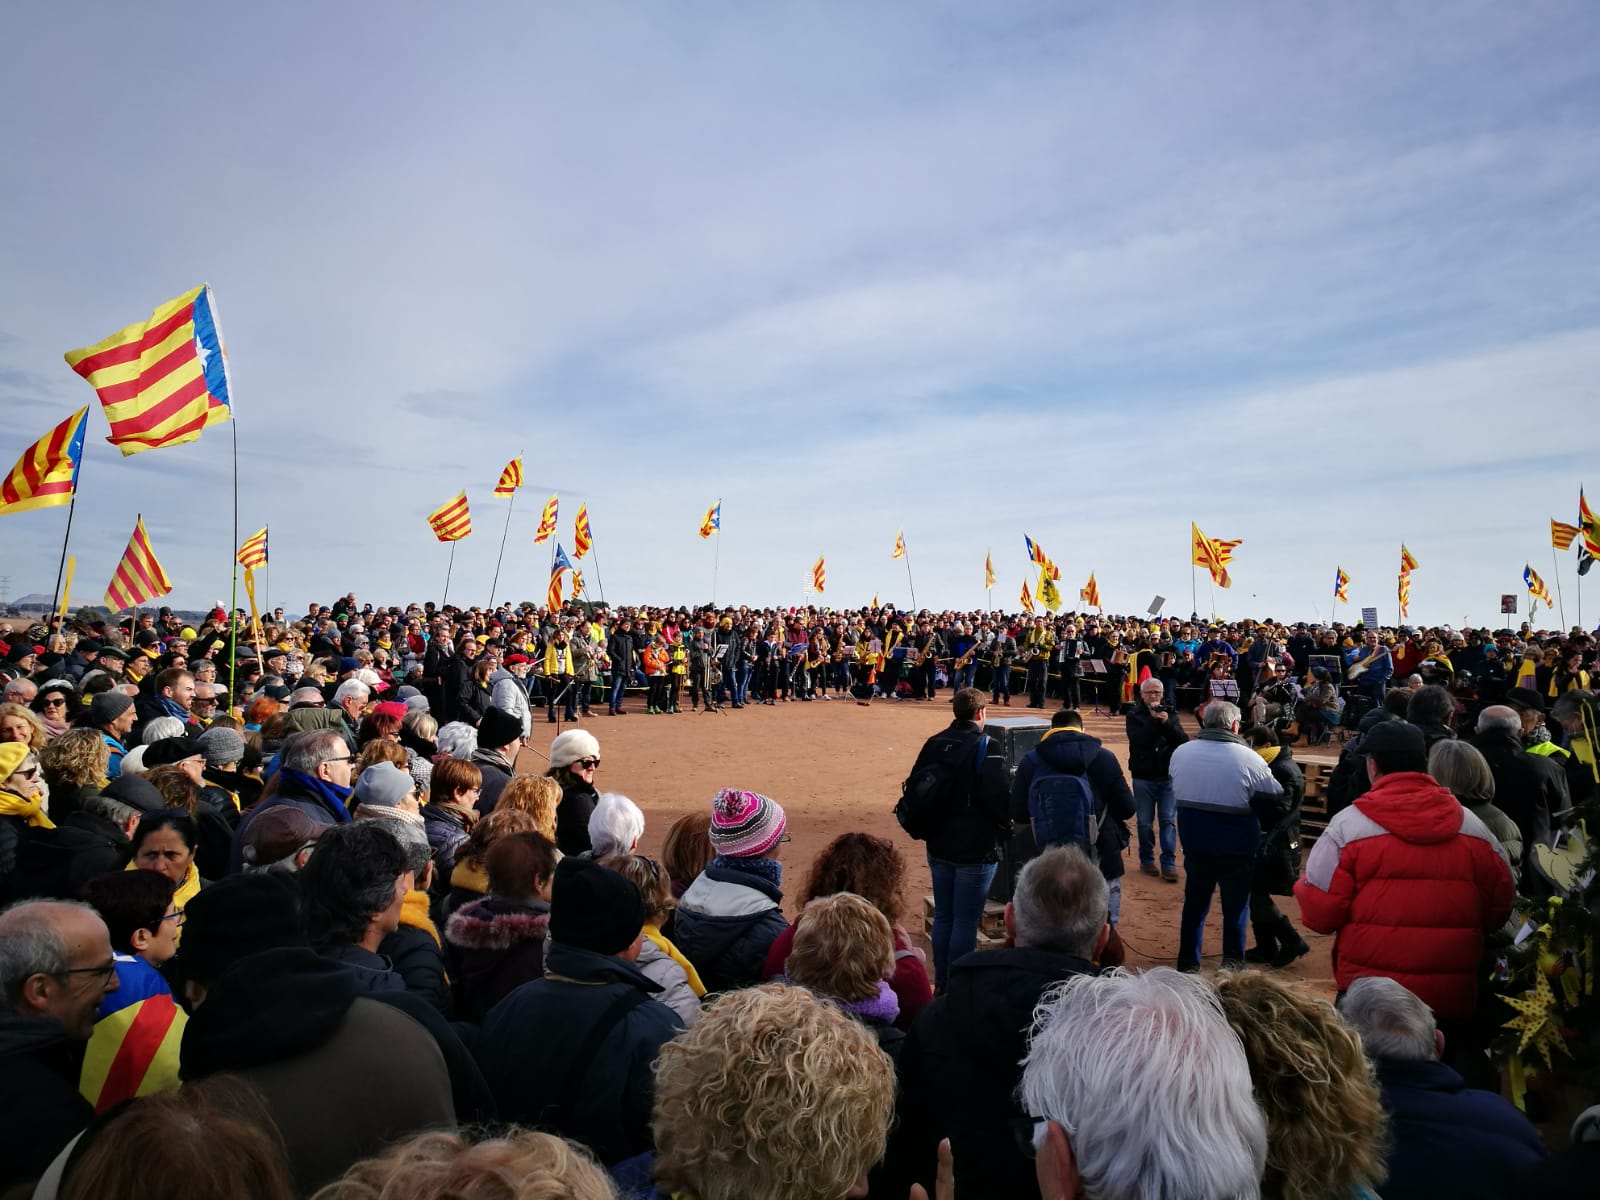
(293, 922)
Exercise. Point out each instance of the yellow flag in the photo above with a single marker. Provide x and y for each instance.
(988, 571)
(1049, 594)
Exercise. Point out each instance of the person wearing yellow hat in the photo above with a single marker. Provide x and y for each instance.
(22, 795)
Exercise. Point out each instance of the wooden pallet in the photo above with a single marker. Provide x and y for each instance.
(991, 926)
(1317, 769)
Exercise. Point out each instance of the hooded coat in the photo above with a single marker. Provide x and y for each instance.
(1410, 881)
(1073, 752)
(725, 924)
(495, 945)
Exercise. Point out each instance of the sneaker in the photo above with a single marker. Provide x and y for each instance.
(1149, 868)
(1170, 874)
(1288, 954)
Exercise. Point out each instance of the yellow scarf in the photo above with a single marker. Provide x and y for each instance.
(13, 805)
(653, 932)
(414, 912)
(470, 878)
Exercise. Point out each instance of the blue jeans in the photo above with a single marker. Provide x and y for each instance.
(1153, 798)
(619, 684)
(741, 682)
(1203, 874)
(959, 892)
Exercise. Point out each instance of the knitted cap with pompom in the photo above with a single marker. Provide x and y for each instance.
(745, 824)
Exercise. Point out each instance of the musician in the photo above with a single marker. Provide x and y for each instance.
(558, 671)
(964, 650)
(1117, 666)
(817, 660)
(1037, 645)
(865, 665)
(1371, 668)
(929, 648)
(1071, 650)
(1318, 709)
(1003, 652)
(893, 656)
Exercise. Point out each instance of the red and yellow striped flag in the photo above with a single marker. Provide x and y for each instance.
(577, 583)
(1561, 534)
(452, 520)
(47, 472)
(552, 599)
(899, 545)
(1027, 597)
(162, 381)
(1536, 585)
(510, 478)
(253, 553)
(1090, 594)
(1214, 554)
(582, 538)
(819, 575)
(1341, 586)
(1408, 561)
(1588, 526)
(547, 522)
(138, 576)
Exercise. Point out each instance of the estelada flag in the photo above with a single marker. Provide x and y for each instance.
(162, 381)
(47, 472)
(1090, 594)
(138, 576)
(1588, 526)
(712, 521)
(1341, 585)
(899, 545)
(253, 553)
(510, 478)
(1037, 556)
(452, 520)
(547, 521)
(1561, 534)
(582, 539)
(1536, 585)
(819, 574)
(1027, 597)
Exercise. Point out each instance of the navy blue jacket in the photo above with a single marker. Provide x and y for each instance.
(1073, 753)
(1449, 1139)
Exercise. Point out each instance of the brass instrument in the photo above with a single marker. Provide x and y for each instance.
(967, 657)
(927, 650)
(1119, 656)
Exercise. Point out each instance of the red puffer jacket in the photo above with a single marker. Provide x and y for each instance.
(1410, 881)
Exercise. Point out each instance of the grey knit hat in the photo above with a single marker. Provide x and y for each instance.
(222, 746)
(106, 707)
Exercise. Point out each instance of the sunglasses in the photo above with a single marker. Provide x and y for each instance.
(1023, 1132)
(53, 702)
(587, 764)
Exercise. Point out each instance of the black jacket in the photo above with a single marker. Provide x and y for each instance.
(39, 1069)
(572, 815)
(959, 1069)
(970, 833)
(1278, 863)
(1072, 753)
(622, 650)
(494, 946)
(1528, 788)
(58, 862)
(725, 923)
(419, 961)
(496, 774)
(1151, 742)
(533, 1039)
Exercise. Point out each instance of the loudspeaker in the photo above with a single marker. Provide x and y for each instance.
(1016, 735)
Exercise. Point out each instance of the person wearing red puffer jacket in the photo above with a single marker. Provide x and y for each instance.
(1408, 879)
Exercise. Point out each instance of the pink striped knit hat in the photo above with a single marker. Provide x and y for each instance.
(745, 824)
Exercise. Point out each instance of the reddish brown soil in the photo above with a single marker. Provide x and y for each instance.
(837, 767)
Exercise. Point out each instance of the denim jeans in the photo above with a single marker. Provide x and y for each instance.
(741, 682)
(959, 892)
(619, 684)
(1152, 800)
(1203, 874)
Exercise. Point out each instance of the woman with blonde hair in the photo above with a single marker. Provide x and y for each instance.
(1325, 1121)
(536, 795)
(521, 1164)
(1462, 768)
(659, 959)
(773, 1095)
(74, 766)
(844, 953)
(18, 724)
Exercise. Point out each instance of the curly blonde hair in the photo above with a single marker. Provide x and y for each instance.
(78, 758)
(771, 1095)
(380, 750)
(534, 794)
(1325, 1120)
(36, 738)
(843, 948)
(522, 1165)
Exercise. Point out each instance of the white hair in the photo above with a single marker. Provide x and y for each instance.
(160, 728)
(615, 825)
(349, 688)
(1120, 1061)
(1221, 715)
(1498, 718)
(1392, 1021)
(458, 740)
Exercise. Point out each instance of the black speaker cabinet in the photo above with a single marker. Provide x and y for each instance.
(1016, 735)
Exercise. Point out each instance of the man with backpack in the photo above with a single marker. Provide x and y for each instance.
(1070, 788)
(955, 801)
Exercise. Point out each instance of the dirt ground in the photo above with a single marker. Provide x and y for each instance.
(836, 767)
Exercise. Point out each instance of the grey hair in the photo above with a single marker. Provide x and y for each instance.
(31, 944)
(305, 752)
(1568, 704)
(1392, 1021)
(1462, 768)
(1499, 718)
(118, 813)
(349, 688)
(305, 695)
(458, 740)
(1221, 715)
(419, 722)
(615, 825)
(1117, 1056)
(1061, 903)
(159, 729)
(408, 830)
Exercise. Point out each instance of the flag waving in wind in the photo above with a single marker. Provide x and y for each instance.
(1214, 555)
(452, 520)
(162, 381)
(1037, 556)
(899, 545)
(138, 576)
(558, 564)
(1341, 586)
(712, 521)
(547, 521)
(1561, 534)
(47, 472)
(819, 575)
(1588, 526)
(1049, 594)
(988, 571)
(1536, 586)
(510, 478)
(1027, 597)
(1090, 594)
(1408, 561)
(253, 553)
(582, 539)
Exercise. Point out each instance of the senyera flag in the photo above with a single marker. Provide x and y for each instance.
(47, 472)
(547, 522)
(253, 552)
(819, 574)
(582, 539)
(138, 577)
(161, 381)
(452, 520)
(510, 478)
(1561, 534)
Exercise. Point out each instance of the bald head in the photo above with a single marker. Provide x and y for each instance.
(55, 961)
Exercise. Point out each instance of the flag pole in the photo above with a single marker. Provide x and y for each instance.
(445, 599)
(1194, 603)
(495, 586)
(716, 556)
(1555, 570)
(56, 596)
(909, 581)
(597, 577)
(233, 607)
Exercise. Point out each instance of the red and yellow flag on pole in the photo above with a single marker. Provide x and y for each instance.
(163, 381)
(1408, 561)
(1561, 534)
(510, 478)
(1536, 585)
(712, 521)
(899, 545)
(988, 571)
(1027, 597)
(582, 539)
(819, 575)
(1588, 526)
(547, 521)
(452, 520)
(253, 552)
(577, 583)
(1214, 554)
(1090, 594)
(138, 577)
(47, 472)
(1341, 586)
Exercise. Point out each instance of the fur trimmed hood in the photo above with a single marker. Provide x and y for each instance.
(496, 924)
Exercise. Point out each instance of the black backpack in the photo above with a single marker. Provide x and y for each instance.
(944, 778)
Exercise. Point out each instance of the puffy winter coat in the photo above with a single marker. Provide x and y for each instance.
(1411, 882)
(496, 945)
(1528, 788)
(725, 924)
(1073, 752)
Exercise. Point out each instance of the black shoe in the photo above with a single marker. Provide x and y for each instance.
(1261, 955)
(1288, 954)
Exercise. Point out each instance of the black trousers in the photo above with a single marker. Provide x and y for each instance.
(1036, 681)
(1273, 930)
(1071, 693)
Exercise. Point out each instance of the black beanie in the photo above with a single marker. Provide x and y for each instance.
(1396, 746)
(239, 916)
(498, 728)
(593, 907)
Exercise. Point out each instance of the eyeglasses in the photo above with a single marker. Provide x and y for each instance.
(341, 758)
(175, 916)
(105, 973)
(587, 764)
(1022, 1132)
(53, 702)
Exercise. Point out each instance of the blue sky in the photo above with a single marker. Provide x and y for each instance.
(1322, 279)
